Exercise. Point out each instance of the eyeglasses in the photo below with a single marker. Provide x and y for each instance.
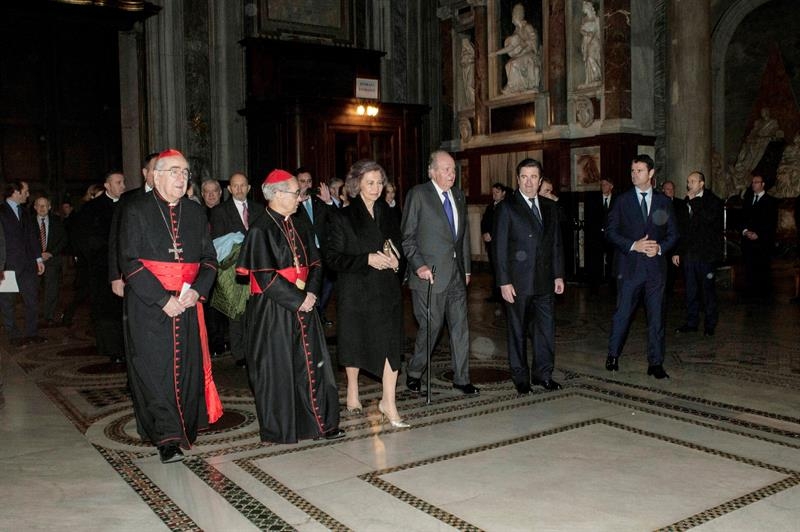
(176, 171)
(295, 193)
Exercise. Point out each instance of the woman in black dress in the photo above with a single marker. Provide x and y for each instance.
(364, 248)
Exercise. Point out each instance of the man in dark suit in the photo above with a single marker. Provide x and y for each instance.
(53, 239)
(114, 271)
(94, 238)
(314, 213)
(24, 257)
(598, 251)
(529, 263)
(487, 230)
(643, 229)
(235, 215)
(760, 221)
(700, 220)
(436, 237)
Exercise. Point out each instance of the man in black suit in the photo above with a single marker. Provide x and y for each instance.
(24, 257)
(53, 239)
(114, 270)
(436, 236)
(643, 229)
(529, 264)
(487, 230)
(760, 222)
(598, 251)
(314, 213)
(700, 220)
(94, 239)
(235, 215)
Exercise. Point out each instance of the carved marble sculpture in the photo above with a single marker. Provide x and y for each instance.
(524, 66)
(787, 182)
(468, 72)
(765, 130)
(591, 46)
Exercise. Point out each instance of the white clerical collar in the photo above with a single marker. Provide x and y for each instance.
(148, 188)
(700, 194)
(112, 198)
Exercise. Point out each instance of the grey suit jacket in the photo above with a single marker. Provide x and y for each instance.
(427, 239)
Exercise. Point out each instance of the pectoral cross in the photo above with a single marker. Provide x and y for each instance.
(176, 251)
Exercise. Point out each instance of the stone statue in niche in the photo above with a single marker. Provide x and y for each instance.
(765, 129)
(524, 66)
(584, 111)
(465, 128)
(787, 182)
(468, 72)
(591, 47)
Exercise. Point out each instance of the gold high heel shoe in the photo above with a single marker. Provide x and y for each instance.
(396, 423)
(355, 410)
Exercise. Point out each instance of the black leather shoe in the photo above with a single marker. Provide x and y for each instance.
(413, 384)
(523, 388)
(334, 434)
(686, 329)
(547, 384)
(170, 453)
(612, 363)
(709, 331)
(467, 389)
(657, 371)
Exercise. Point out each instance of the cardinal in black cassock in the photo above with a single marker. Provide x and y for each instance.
(287, 358)
(169, 264)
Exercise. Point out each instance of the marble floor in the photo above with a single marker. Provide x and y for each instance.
(714, 448)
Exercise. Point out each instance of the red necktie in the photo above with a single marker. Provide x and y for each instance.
(42, 234)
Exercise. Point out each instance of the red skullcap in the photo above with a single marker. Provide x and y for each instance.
(277, 176)
(171, 152)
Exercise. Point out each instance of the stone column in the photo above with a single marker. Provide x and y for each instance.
(557, 54)
(481, 71)
(131, 88)
(617, 58)
(688, 91)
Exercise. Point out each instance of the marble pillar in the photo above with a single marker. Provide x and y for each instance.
(617, 58)
(131, 90)
(557, 56)
(481, 72)
(198, 87)
(688, 91)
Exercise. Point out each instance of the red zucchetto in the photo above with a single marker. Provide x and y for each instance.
(277, 176)
(171, 152)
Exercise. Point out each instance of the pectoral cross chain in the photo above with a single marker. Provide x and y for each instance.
(176, 251)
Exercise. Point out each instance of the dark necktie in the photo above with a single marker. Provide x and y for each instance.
(755, 199)
(448, 211)
(605, 203)
(42, 234)
(644, 205)
(19, 212)
(535, 210)
(245, 216)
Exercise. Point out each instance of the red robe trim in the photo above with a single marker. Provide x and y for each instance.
(291, 274)
(172, 275)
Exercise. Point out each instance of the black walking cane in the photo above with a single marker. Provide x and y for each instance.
(428, 346)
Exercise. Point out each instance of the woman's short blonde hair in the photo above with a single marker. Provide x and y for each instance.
(352, 183)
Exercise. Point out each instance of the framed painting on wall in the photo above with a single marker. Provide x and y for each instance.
(586, 168)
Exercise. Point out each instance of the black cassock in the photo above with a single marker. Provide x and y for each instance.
(168, 381)
(287, 358)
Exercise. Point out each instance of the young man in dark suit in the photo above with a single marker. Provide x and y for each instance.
(529, 264)
(760, 222)
(643, 230)
(24, 257)
(53, 239)
(235, 215)
(700, 220)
